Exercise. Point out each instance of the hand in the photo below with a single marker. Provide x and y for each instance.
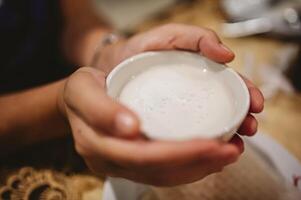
(107, 134)
(167, 37)
(182, 37)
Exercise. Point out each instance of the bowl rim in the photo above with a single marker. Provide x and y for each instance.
(225, 132)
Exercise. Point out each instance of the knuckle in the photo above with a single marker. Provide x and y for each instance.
(71, 84)
(210, 33)
(79, 80)
(81, 73)
(84, 69)
(77, 75)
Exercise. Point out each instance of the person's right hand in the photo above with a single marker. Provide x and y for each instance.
(107, 136)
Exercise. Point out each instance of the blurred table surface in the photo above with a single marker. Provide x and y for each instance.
(282, 116)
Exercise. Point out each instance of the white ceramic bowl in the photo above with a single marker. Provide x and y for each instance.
(122, 73)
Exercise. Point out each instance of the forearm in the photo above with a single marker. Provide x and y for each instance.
(82, 31)
(31, 116)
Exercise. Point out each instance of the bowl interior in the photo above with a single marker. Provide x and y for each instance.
(131, 67)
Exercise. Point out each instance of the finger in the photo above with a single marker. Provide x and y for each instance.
(196, 171)
(185, 175)
(185, 37)
(102, 167)
(85, 95)
(223, 156)
(175, 177)
(257, 99)
(211, 47)
(140, 154)
(171, 176)
(249, 126)
(87, 141)
(237, 142)
(97, 164)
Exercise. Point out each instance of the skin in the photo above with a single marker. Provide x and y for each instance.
(106, 133)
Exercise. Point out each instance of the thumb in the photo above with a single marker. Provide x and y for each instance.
(211, 46)
(85, 95)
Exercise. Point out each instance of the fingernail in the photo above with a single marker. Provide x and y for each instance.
(225, 48)
(125, 123)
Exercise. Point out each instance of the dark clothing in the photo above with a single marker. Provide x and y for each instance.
(30, 53)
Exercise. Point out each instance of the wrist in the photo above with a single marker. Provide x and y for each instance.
(112, 55)
(108, 52)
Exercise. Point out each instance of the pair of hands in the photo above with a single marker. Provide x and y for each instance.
(107, 135)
